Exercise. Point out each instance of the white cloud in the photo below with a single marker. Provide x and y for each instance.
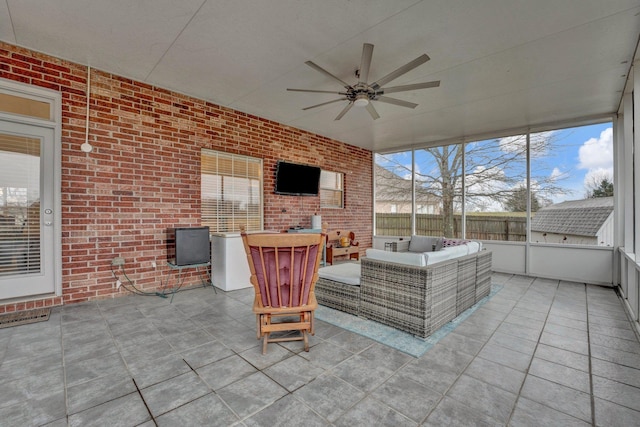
(517, 143)
(597, 153)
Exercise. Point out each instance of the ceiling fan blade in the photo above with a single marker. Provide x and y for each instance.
(400, 71)
(414, 86)
(344, 111)
(325, 72)
(372, 111)
(317, 91)
(365, 63)
(396, 102)
(325, 103)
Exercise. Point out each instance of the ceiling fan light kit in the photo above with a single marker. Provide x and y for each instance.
(362, 93)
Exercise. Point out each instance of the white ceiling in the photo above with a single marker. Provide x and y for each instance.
(503, 64)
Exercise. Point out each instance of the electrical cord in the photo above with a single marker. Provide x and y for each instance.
(137, 291)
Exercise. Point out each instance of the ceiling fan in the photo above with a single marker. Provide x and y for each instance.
(362, 93)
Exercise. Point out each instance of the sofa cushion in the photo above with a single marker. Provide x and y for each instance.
(347, 273)
(409, 258)
(425, 244)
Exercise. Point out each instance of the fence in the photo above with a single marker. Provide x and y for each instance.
(480, 227)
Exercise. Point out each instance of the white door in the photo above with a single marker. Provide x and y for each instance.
(27, 217)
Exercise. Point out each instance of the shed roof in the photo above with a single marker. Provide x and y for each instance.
(574, 217)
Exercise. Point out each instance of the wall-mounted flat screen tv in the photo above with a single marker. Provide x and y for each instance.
(297, 179)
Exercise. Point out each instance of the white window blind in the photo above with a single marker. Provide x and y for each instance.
(331, 189)
(19, 205)
(231, 191)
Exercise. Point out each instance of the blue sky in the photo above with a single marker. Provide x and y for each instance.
(583, 153)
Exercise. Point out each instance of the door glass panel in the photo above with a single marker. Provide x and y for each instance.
(19, 205)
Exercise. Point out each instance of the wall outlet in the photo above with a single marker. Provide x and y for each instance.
(153, 264)
(118, 284)
(117, 261)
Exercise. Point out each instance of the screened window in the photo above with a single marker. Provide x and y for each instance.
(231, 192)
(566, 191)
(496, 188)
(393, 197)
(331, 189)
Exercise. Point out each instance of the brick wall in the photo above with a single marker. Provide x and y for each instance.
(144, 173)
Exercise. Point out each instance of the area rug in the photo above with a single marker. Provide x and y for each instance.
(23, 317)
(402, 341)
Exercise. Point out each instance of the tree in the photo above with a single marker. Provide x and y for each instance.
(599, 187)
(495, 170)
(517, 201)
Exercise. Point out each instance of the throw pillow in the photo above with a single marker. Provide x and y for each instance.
(425, 244)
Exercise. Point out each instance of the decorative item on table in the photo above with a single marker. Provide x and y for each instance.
(345, 242)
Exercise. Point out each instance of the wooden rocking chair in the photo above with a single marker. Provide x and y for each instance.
(284, 271)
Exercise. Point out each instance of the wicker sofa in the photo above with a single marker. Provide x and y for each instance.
(401, 290)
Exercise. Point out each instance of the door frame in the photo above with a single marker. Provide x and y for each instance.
(54, 99)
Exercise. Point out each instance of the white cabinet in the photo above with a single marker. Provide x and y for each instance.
(229, 267)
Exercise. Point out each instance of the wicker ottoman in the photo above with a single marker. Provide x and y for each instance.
(338, 287)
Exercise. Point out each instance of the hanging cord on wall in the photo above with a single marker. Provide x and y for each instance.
(86, 147)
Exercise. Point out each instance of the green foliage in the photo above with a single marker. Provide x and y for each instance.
(517, 201)
(602, 189)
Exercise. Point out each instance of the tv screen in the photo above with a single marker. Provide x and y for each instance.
(297, 179)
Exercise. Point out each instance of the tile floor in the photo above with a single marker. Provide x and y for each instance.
(541, 352)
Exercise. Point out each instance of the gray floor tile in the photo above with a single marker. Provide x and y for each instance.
(507, 357)
(226, 371)
(286, 412)
(251, 394)
(483, 397)
(329, 396)
(565, 343)
(208, 410)
(495, 374)
(351, 341)
(361, 373)
(513, 343)
(568, 332)
(128, 410)
(275, 353)
(560, 374)
(36, 411)
(408, 397)
(609, 414)
(88, 369)
(450, 412)
(529, 413)
(519, 331)
(623, 333)
(31, 387)
(615, 356)
(205, 354)
(613, 391)
(177, 391)
(369, 412)
(326, 355)
(594, 319)
(293, 372)
(160, 369)
(462, 343)
(558, 397)
(631, 346)
(98, 391)
(620, 373)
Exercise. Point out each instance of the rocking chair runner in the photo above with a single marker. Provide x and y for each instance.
(284, 271)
